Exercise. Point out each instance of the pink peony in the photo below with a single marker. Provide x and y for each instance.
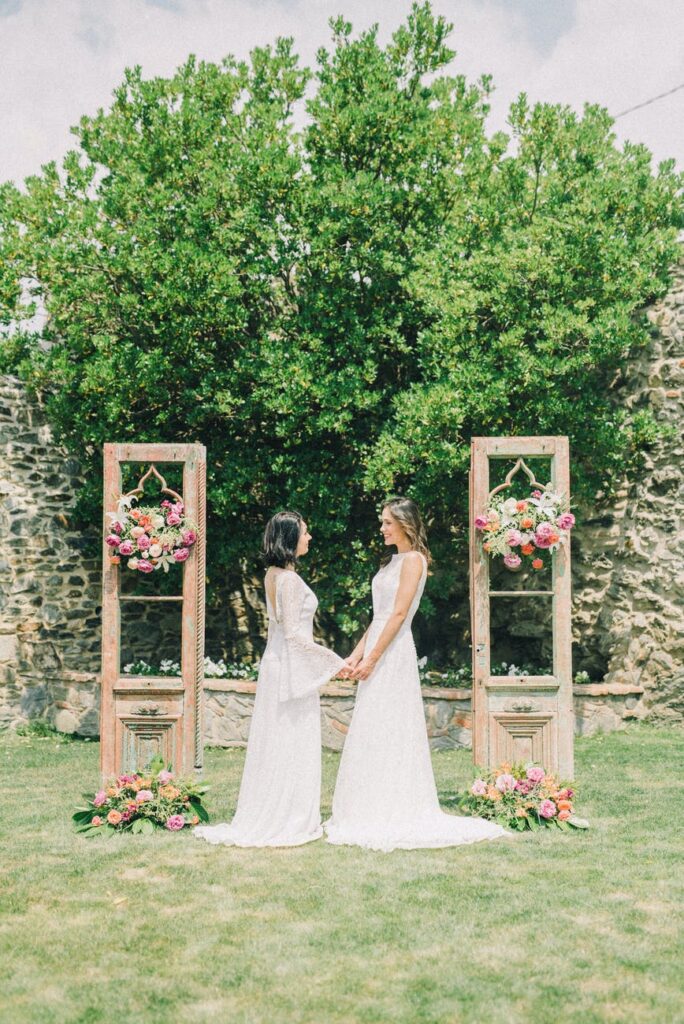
(172, 519)
(536, 494)
(175, 822)
(547, 809)
(479, 787)
(126, 548)
(164, 776)
(505, 783)
(536, 774)
(100, 798)
(566, 521)
(113, 540)
(189, 538)
(143, 795)
(513, 538)
(511, 560)
(144, 566)
(542, 540)
(116, 527)
(181, 554)
(480, 522)
(524, 786)
(143, 542)
(544, 530)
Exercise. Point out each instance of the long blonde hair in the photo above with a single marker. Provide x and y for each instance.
(407, 514)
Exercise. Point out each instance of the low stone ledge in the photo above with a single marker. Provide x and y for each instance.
(71, 703)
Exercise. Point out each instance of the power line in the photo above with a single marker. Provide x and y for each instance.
(647, 103)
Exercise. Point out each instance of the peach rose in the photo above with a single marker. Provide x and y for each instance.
(526, 523)
(563, 815)
(564, 805)
(113, 817)
(537, 564)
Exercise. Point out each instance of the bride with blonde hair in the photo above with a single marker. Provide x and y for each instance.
(385, 795)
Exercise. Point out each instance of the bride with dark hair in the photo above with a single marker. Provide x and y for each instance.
(279, 800)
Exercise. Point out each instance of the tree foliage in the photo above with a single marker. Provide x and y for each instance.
(335, 311)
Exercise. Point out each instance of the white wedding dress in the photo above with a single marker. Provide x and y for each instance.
(279, 801)
(385, 795)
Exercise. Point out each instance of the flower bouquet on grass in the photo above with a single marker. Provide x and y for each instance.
(150, 537)
(142, 803)
(522, 796)
(530, 528)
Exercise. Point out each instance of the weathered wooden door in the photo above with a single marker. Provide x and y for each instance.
(520, 718)
(144, 715)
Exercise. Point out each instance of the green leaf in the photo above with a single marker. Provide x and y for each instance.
(577, 822)
(146, 826)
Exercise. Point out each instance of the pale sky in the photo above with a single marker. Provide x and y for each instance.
(60, 59)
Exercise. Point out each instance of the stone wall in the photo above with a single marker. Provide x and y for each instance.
(628, 557)
(627, 568)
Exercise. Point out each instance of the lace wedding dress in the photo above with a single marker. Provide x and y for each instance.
(385, 795)
(279, 801)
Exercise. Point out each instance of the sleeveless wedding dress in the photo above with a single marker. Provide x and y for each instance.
(385, 795)
(279, 801)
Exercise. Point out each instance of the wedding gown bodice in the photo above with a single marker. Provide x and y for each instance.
(304, 664)
(384, 587)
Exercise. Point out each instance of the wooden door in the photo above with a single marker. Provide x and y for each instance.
(141, 716)
(520, 718)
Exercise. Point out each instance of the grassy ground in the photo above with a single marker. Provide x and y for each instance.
(541, 928)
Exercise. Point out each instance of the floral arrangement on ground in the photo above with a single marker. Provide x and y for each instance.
(523, 796)
(150, 537)
(528, 528)
(141, 803)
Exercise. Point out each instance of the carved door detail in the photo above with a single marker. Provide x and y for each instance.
(144, 715)
(520, 718)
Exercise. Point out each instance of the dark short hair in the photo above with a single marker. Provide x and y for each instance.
(281, 538)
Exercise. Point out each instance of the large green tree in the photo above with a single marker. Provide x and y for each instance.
(335, 311)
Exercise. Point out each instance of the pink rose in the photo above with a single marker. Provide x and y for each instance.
(181, 554)
(189, 538)
(480, 522)
(536, 494)
(144, 566)
(547, 809)
(117, 527)
(511, 561)
(479, 787)
(143, 542)
(513, 538)
(505, 783)
(113, 540)
(164, 776)
(535, 774)
(524, 786)
(143, 795)
(100, 798)
(178, 506)
(126, 547)
(97, 820)
(566, 521)
(172, 519)
(175, 822)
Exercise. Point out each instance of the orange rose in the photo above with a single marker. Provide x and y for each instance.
(493, 793)
(521, 506)
(554, 538)
(527, 549)
(563, 815)
(526, 523)
(537, 564)
(194, 821)
(487, 546)
(113, 817)
(564, 805)
(112, 791)
(115, 560)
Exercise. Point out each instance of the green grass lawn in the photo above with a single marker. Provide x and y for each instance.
(545, 927)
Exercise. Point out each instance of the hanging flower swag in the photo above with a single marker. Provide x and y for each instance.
(150, 537)
(525, 529)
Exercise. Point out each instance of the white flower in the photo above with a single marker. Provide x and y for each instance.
(510, 506)
(157, 522)
(155, 550)
(422, 662)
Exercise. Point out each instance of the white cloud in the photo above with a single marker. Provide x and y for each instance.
(60, 60)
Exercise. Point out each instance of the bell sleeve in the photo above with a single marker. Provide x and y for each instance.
(305, 665)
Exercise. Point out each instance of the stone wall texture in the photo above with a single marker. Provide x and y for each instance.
(628, 568)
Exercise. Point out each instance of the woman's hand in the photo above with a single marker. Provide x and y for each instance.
(364, 667)
(350, 664)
